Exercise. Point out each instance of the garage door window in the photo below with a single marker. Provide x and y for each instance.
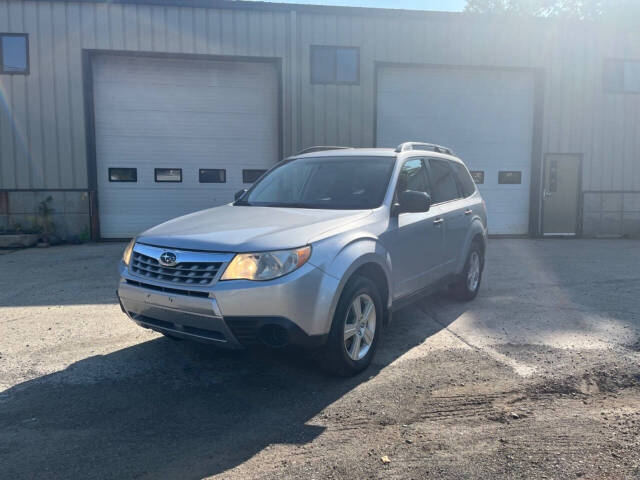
(168, 175)
(14, 53)
(213, 175)
(510, 178)
(123, 175)
(443, 184)
(478, 176)
(335, 65)
(250, 175)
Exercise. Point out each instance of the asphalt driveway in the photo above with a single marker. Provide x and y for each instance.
(537, 378)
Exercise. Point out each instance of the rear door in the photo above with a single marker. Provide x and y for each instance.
(446, 196)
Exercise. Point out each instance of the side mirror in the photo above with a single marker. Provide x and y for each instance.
(411, 201)
(239, 194)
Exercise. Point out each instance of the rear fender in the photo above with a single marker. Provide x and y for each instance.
(477, 229)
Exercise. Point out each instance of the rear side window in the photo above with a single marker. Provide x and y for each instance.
(443, 183)
(467, 185)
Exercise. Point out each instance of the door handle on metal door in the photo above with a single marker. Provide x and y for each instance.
(438, 221)
(468, 212)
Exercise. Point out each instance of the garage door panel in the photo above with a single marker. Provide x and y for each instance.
(460, 127)
(486, 117)
(183, 124)
(182, 72)
(170, 113)
(166, 149)
(230, 99)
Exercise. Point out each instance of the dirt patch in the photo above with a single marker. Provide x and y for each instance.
(87, 394)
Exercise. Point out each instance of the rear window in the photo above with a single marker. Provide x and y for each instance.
(467, 185)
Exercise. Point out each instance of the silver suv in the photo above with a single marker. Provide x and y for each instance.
(318, 253)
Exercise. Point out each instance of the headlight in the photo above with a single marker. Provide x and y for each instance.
(126, 256)
(266, 265)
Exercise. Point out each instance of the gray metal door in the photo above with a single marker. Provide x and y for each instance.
(561, 194)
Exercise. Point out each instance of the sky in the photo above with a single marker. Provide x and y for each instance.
(444, 5)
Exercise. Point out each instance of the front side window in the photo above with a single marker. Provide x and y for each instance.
(413, 176)
(443, 183)
(467, 185)
(14, 53)
(336, 183)
(335, 65)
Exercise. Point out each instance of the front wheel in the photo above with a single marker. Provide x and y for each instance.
(468, 283)
(355, 329)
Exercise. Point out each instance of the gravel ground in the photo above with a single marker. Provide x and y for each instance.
(539, 377)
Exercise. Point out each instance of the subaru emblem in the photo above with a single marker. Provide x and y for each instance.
(168, 259)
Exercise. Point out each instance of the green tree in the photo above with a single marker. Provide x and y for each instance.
(582, 9)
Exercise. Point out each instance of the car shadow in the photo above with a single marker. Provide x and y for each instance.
(175, 409)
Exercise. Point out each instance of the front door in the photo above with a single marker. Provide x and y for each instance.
(414, 240)
(561, 194)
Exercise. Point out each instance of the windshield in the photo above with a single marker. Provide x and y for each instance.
(345, 183)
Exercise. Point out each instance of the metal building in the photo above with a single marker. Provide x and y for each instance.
(130, 112)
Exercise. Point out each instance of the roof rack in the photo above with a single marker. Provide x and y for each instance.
(319, 149)
(431, 147)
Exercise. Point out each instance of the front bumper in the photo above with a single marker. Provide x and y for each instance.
(292, 310)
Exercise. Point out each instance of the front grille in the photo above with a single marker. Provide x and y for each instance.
(162, 325)
(185, 273)
(175, 291)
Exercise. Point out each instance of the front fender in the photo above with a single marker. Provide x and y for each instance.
(350, 258)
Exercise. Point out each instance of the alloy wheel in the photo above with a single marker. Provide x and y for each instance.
(360, 326)
(473, 275)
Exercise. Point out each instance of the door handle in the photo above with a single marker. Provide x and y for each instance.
(468, 212)
(438, 221)
(547, 194)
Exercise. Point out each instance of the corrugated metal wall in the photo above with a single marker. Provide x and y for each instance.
(578, 116)
(42, 126)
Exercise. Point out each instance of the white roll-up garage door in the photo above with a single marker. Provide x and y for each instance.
(485, 116)
(174, 136)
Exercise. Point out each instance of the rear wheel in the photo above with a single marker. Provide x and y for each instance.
(467, 286)
(355, 329)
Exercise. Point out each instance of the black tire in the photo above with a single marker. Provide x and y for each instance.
(335, 358)
(461, 288)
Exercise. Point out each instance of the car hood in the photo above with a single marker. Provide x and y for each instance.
(239, 229)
